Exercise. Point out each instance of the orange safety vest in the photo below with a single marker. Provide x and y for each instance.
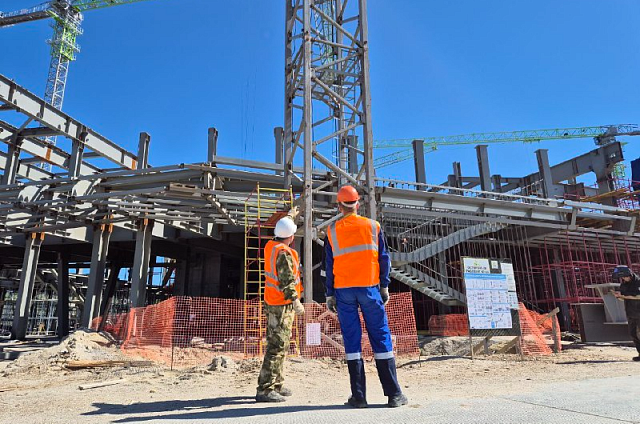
(273, 295)
(354, 244)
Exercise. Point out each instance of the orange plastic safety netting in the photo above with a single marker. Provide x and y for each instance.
(184, 331)
(537, 330)
(449, 325)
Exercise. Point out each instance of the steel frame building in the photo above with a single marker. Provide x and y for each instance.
(79, 214)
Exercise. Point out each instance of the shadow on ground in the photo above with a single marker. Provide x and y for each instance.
(432, 359)
(590, 362)
(198, 409)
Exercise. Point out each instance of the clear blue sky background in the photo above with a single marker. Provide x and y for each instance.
(175, 67)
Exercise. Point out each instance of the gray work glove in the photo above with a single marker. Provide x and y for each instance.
(298, 307)
(331, 304)
(384, 294)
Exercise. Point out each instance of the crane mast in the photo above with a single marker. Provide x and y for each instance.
(66, 23)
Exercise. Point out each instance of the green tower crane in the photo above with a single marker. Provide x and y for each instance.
(601, 135)
(67, 19)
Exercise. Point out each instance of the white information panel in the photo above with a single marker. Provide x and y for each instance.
(314, 335)
(490, 289)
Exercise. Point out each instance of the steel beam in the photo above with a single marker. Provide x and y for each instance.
(140, 268)
(278, 135)
(47, 152)
(27, 280)
(308, 145)
(352, 154)
(483, 167)
(544, 169)
(418, 163)
(63, 295)
(38, 109)
(12, 164)
(101, 237)
(143, 150)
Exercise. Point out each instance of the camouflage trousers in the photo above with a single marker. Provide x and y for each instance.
(279, 322)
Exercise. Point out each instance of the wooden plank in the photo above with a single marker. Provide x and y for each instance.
(101, 384)
(547, 316)
(512, 343)
(482, 346)
(76, 365)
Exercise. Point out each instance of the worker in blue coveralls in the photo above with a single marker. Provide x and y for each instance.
(357, 269)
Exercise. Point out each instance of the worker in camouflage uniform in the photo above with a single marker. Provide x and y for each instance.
(281, 303)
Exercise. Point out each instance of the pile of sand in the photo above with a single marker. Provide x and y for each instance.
(79, 346)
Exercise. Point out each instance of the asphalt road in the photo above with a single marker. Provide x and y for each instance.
(606, 400)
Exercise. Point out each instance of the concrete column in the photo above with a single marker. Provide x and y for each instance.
(27, 280)
(418, 163)
(63, 295)
(143, 150)
(140, 268)
(278, 134)
(212, 149)
(545, 172)
(483, 167)
(101, 236)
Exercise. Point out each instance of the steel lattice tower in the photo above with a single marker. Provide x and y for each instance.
(327, 102)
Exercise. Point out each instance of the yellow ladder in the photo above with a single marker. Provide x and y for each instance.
(262, 209)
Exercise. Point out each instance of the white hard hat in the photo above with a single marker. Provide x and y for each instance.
(285, 228)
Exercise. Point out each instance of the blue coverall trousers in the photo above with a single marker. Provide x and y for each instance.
(367, 300)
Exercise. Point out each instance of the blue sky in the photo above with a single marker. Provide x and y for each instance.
(175, 67)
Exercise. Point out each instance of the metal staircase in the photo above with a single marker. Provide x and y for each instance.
(428, 285)
(446, 242)
(431, 241)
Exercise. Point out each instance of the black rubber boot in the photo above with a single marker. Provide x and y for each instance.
(397, 400)
(357, 403)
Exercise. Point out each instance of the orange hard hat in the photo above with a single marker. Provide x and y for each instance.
(348, 194)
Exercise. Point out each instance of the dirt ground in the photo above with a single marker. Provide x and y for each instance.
(37, 388)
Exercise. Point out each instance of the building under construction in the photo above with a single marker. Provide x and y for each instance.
(80, 238)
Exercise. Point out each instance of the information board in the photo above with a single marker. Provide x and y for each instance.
(491, 293)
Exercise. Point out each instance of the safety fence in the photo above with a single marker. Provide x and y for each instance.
(537, 330)
(185, 332)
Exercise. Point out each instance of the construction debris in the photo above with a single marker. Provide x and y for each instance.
(80, 348)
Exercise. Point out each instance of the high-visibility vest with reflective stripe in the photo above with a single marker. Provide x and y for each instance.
(354, 244)
(273, 295)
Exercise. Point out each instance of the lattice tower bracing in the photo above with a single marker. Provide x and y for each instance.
(327, 101)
